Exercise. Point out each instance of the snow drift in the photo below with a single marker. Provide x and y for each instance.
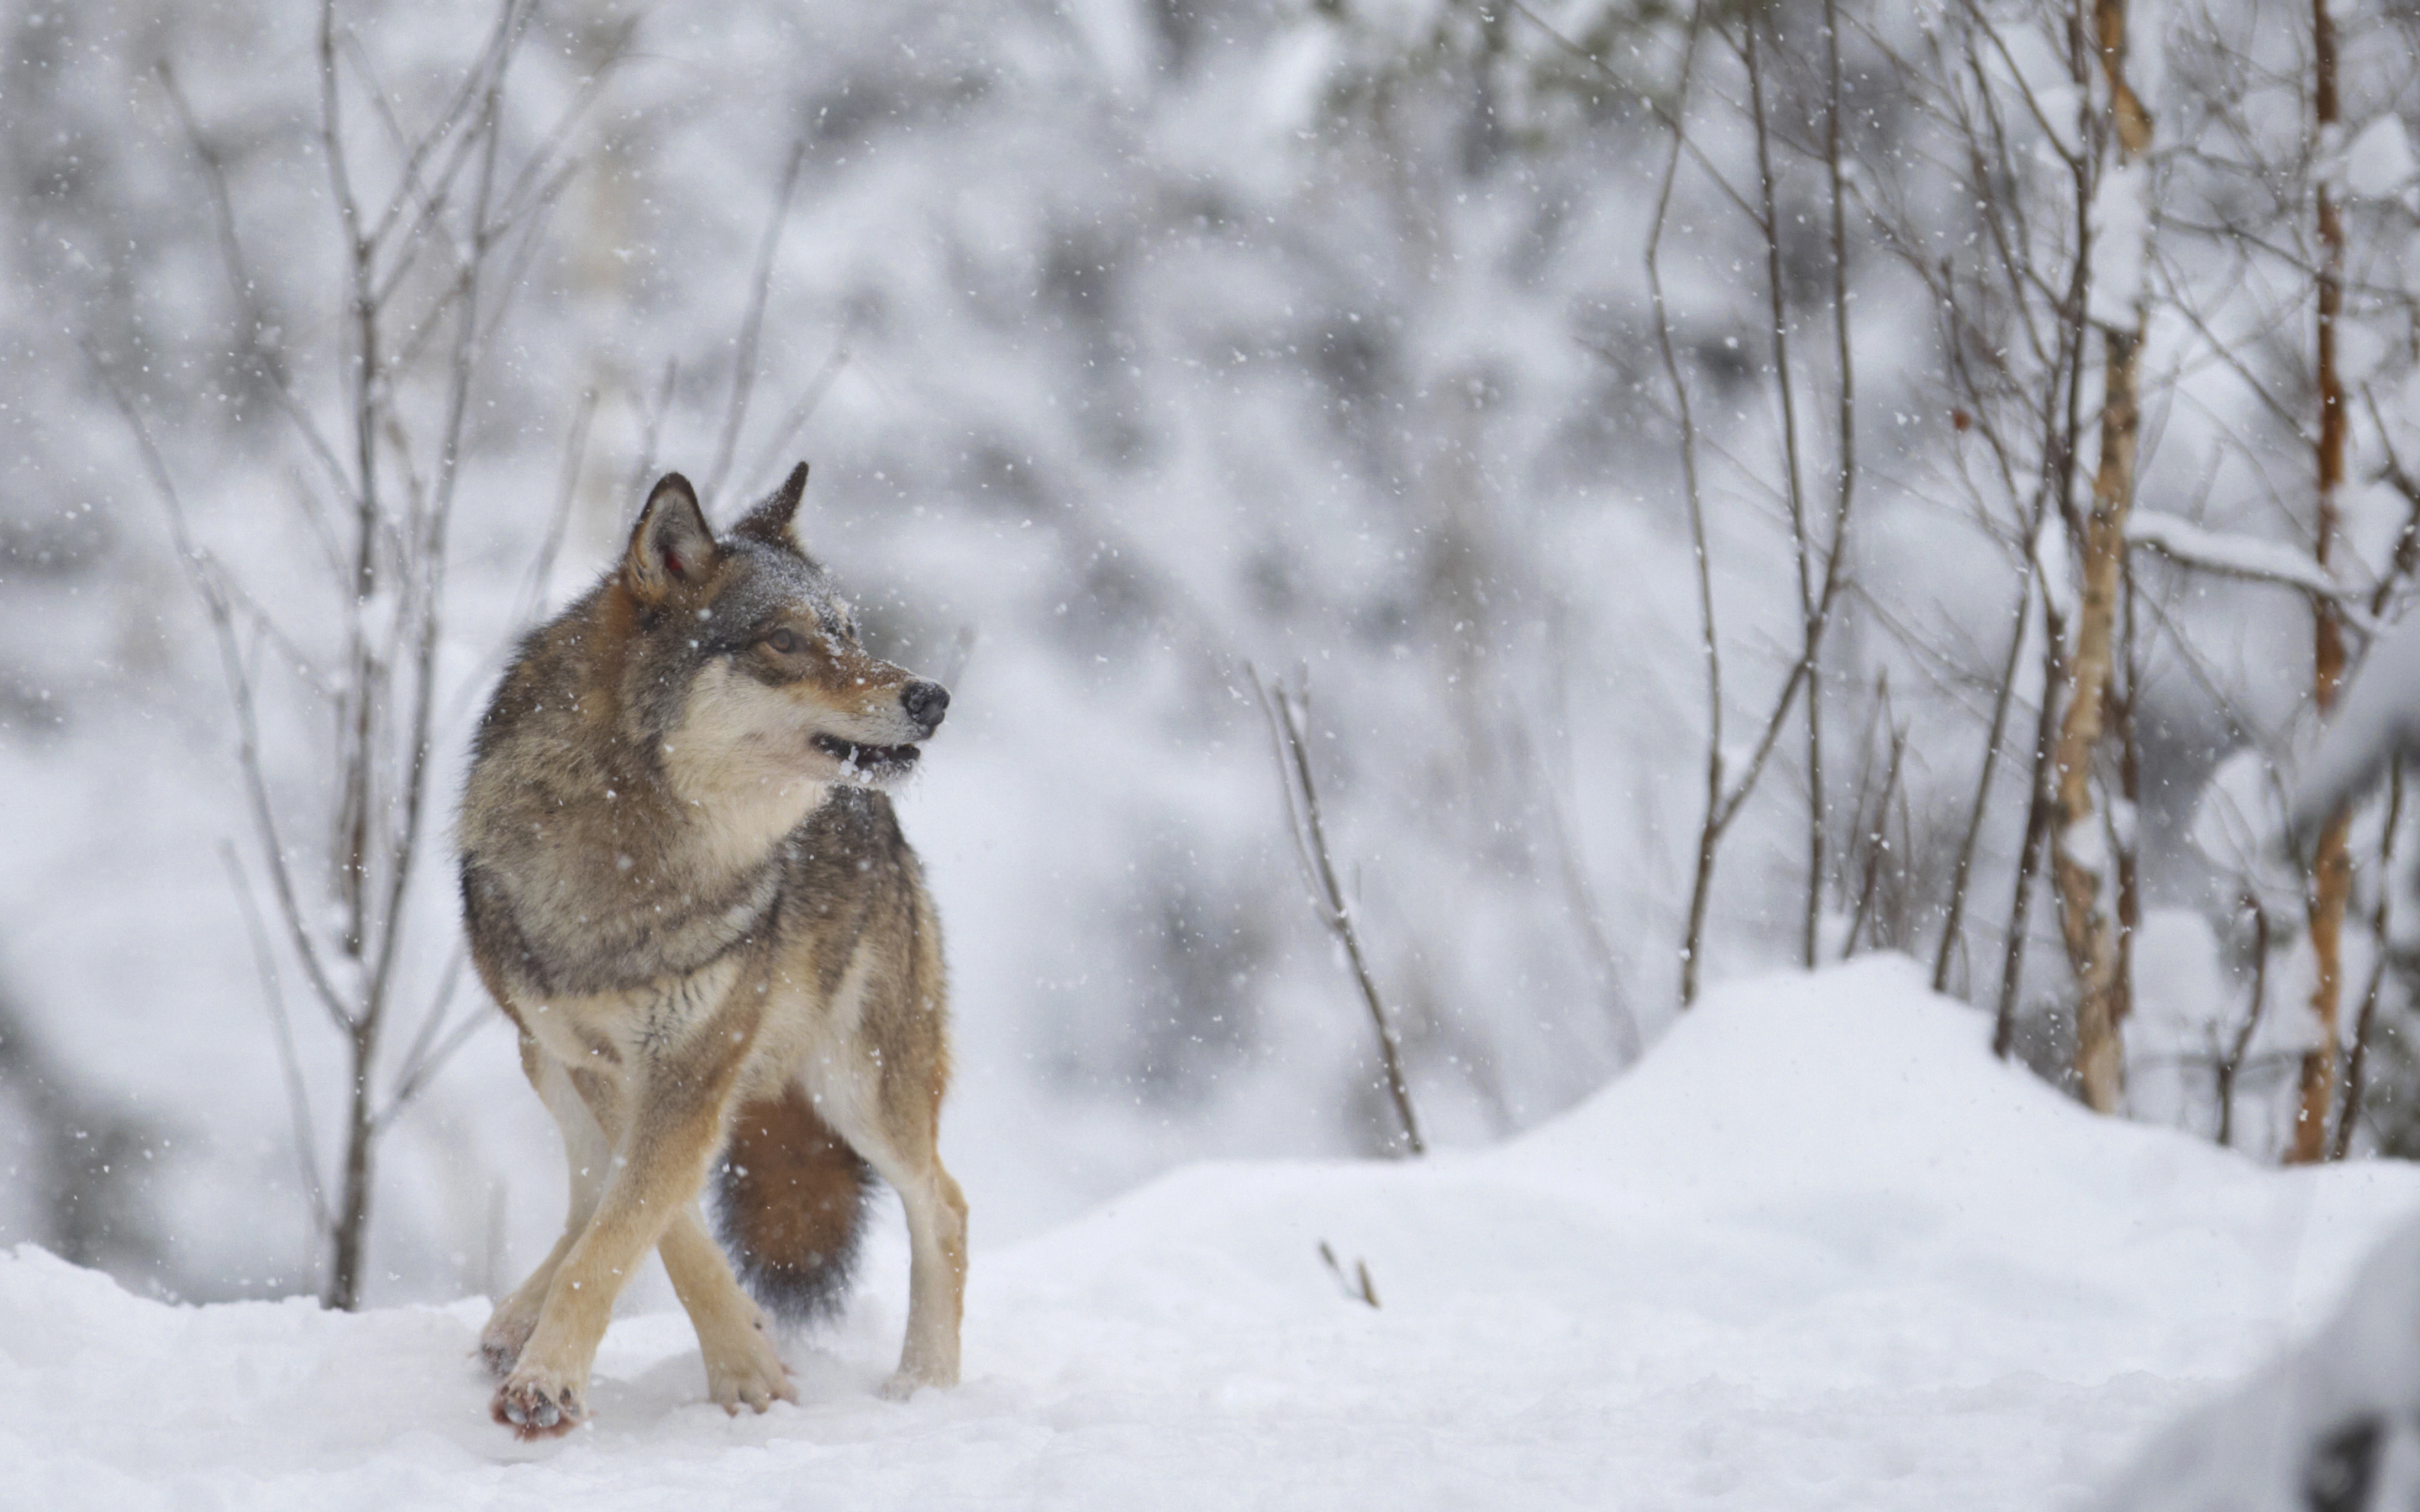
(1819, 1250)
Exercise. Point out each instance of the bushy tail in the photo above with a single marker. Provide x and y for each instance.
(791, 1205)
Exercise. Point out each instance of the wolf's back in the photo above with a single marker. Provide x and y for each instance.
(790, 1198)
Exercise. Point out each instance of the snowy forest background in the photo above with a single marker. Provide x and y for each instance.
(1615, 415)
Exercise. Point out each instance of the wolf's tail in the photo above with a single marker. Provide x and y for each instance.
(791, 1203)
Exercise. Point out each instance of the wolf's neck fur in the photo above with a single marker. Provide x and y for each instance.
(621, 859)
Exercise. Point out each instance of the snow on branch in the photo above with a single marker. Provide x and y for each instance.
(2246, 557)
(2377, 720)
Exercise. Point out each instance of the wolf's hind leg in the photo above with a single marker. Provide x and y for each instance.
(936, 1280)
(588, 1156)
(901, 1146)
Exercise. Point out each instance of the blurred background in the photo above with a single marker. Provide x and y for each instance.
(1142, 349)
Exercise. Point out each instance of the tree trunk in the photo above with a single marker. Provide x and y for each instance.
(2330, 880)
(2349, 1119)
(353, 1214)
(2079, 857)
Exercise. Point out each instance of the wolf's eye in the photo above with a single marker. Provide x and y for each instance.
(785, 640)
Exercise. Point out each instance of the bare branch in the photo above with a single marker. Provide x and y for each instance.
(776, 448)
(651, 420)
(272, 996)
(1286, 712)
(2230, 1064)
(558, 524)
(743, 374)
(1953, 923)
(214, 603)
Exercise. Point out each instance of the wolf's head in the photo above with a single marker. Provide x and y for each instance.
(751, 676)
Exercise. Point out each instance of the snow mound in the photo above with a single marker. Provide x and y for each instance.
(2335, 1424)
(1817, 1250)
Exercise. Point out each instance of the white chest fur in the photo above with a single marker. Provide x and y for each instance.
(607, 1029)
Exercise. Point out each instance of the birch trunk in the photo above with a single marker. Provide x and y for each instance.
(2079, 857)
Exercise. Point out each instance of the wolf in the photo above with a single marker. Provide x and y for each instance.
(683, 882)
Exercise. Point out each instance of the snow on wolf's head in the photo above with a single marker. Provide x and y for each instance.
(757, 679)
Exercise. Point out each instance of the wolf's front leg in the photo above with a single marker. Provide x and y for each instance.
(741, 1367)
(589, 1155)
(667, 1144)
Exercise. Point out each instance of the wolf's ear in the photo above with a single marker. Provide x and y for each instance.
(671, 543)
(775, 521)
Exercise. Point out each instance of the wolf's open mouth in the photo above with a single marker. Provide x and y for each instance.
(873, 759)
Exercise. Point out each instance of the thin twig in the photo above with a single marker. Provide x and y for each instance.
(199, 571)
(1878, 834)
(290, 1062)
(1802, 543)
(2231, 1064)
(651, 420)
(1286, 710)
(566, 491)
(743, 375)
(1953, 922)
(772, 454)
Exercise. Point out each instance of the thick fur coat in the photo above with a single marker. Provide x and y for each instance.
(682, 881)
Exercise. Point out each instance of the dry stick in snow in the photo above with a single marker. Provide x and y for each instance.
(2079, 860)
(1357, 1286)
(1286, 710)
(2331, 879)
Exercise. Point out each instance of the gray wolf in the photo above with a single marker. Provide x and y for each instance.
(684, 884)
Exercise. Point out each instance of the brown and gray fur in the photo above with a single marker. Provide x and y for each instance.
(683, 882)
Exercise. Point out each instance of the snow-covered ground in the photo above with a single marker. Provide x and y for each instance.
(1817, 1250)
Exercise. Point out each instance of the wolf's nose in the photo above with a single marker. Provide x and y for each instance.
(926, 702)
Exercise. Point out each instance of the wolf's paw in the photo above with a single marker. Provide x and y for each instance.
(501, 1341)
(930, 1359)
(747, 1374)
(535, 1407)
(909, 1379)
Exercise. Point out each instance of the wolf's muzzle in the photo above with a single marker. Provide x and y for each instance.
(925, 703)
